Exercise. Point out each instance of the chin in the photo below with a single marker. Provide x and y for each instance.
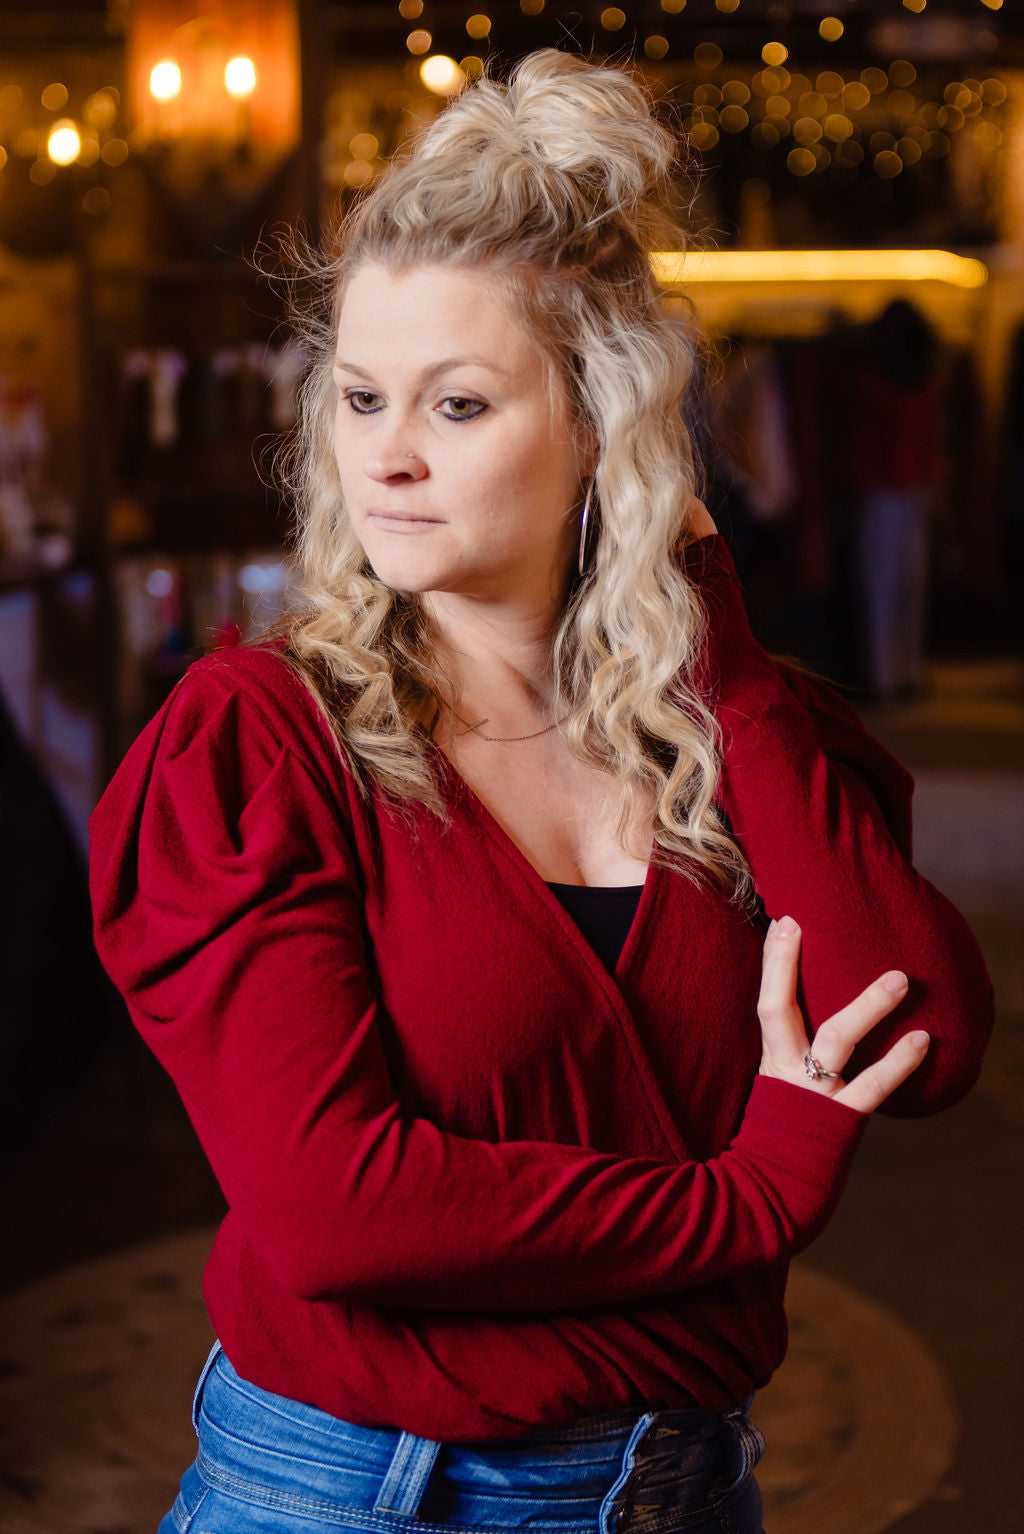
(402, 575)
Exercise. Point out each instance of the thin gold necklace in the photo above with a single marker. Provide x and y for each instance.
(506, 740)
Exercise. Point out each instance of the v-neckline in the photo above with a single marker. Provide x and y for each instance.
(533, 877)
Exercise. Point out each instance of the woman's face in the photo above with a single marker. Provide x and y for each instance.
(456, 461)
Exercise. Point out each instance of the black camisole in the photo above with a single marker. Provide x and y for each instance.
(604, 915)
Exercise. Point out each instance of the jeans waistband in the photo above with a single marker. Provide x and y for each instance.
(584, 1474)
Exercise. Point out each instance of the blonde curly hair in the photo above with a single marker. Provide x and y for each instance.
(559, 181)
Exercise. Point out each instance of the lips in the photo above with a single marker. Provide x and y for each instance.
(407, 518)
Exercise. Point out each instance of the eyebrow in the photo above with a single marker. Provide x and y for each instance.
(428, 372)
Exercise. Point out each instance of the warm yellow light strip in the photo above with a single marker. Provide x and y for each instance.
(819, 266)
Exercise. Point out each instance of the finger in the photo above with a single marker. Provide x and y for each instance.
(782, 1026)
(866, 1091)
(835, 1040)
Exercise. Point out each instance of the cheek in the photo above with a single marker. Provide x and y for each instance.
(343, 447)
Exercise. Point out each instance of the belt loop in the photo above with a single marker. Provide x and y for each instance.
(407, 1475)
(613, 1499)
(198, 1396)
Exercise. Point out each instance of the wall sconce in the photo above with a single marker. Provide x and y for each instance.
(214, 104)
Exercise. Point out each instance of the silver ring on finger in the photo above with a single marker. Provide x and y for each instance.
(816, 1071)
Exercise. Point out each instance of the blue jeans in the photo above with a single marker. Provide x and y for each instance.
(266, 1462)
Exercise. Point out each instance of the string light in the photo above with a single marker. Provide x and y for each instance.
(478, 26)
(439, 74)
(531, 7)
(96, 200)
(734, 119)
(830, 29)
(410, 10)
(101, 107)
(655, 46)
(419, 42)
(54, 97)
(902, 73)
(64, 142)
(774, 53)
(673, 7)
(704, 135)
(837, 127)
(812, 104)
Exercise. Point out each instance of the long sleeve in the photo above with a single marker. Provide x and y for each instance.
(822, 812)
(227, 910)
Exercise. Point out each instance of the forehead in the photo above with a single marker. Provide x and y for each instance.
(428, 312)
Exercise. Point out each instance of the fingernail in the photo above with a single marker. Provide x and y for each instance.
(920, 1040)
(896, 980)
(787, 926)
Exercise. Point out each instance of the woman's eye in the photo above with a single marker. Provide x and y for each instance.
(362, 401)
(459, 409)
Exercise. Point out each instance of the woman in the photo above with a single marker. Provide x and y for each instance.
(445, 909)
(895, 459)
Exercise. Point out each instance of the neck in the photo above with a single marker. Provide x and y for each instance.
(500, 660)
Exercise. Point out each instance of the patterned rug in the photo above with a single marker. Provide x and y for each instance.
(100, 1361)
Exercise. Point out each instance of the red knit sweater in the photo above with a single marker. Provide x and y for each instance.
(477, 1184)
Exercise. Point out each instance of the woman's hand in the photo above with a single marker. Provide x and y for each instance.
(784, 1038)
(699, 523)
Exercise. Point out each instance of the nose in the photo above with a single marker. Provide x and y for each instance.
(392, 460)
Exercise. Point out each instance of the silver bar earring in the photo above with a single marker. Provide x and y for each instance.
(584, 523)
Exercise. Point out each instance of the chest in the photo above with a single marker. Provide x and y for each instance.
(501, 1022)
(562, 814)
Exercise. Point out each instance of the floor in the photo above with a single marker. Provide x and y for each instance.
(911, 1297)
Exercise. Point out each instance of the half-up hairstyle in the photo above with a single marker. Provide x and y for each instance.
(558, 181)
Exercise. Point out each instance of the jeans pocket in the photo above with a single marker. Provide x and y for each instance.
(749, 1444)
(198, 1397)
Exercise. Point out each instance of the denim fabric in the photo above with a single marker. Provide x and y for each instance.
(266, 1462)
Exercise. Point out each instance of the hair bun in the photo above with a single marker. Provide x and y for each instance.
(593, 124)
(585, 137)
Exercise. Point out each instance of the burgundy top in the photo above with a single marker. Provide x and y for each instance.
(477, 1183)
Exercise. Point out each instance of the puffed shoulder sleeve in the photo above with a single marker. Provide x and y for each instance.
(228, 902)
(208, 817)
